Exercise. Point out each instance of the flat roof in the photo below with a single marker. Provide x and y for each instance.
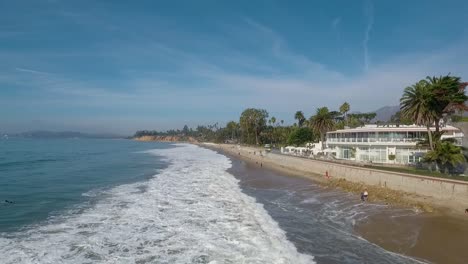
(375, 128)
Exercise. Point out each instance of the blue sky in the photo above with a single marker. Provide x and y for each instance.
(119, 66)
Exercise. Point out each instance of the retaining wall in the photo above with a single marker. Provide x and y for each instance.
(444, 189)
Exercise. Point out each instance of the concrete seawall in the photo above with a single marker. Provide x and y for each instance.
(448, 193)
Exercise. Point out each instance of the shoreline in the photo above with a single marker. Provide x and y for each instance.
(173, 139)
(377, 194)
(390, 232)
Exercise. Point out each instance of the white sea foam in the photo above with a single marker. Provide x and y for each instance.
(191, 212)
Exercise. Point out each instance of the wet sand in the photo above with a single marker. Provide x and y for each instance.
(440, 239)
(310, 208)
(380, 193)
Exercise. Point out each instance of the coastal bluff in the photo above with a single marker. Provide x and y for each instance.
(166, 139)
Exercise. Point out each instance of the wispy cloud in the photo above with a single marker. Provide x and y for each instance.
(369, 12)
(30, 71)
(335, 25)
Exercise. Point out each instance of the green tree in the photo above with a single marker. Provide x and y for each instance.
(281, 135)
(399, 119)
(344, 109)
(232, 129)
(300, 136)
(185, 130)
(446, 155)
(418, 104)
(322, 122)
(447, 95)
(340, 124)
(299, 116)
(368, 117)
(252, 123)
(431, 100)
(355, 120)
(427, 103)
(273, 120)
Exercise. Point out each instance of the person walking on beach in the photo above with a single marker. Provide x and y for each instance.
(364, 195)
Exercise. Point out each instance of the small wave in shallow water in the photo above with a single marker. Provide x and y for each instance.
(191, 212)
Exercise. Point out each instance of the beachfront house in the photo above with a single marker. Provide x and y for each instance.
(383, 144)
(308, 150)
(297, 151)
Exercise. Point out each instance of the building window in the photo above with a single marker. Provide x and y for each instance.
(347, 153)
(402, 156)
(378, 155)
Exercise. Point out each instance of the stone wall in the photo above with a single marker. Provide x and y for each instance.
(451, 192)
(427, 186)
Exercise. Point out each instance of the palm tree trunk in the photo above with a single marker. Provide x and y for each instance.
(431, 145)
(429, 134)
(346, 118)
(272, 135)
(322, 137)
(437, 125)
(256, 136)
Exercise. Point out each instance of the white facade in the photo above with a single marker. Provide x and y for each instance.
(378, 144)
(309, 149)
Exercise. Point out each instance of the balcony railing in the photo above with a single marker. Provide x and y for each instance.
(383, 140)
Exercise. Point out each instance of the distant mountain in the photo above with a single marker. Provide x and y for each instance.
(385, 113)
(62, 134)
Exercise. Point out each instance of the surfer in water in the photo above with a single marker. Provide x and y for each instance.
(8, 202)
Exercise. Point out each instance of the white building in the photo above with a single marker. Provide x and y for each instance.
(309, 149)
(383, 144)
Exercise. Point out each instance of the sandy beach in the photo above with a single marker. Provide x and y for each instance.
(396, 226)
(379, 193)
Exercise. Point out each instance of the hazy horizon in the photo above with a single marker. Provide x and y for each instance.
(117, 67)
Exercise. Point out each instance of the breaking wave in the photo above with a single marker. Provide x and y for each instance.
(191, 212)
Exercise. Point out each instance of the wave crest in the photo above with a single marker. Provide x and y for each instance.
(191, 212)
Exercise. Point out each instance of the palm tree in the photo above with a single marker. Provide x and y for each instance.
(446, 155)
(418, 104)
(344, 109)
(233, 127)
(322, 122)
(299, 116)
(449, 96)
(273, 120)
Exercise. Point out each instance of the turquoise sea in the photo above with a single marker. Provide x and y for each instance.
(43, 177)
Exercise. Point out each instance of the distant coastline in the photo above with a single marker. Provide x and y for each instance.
(166, 139)
(43, 134)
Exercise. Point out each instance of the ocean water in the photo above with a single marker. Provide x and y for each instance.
(120, 201)
(100, 201)
(321, 222)
(45, 177)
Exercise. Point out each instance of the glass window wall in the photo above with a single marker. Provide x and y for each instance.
(378, 155)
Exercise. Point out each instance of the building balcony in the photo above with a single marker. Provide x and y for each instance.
(372, 141)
